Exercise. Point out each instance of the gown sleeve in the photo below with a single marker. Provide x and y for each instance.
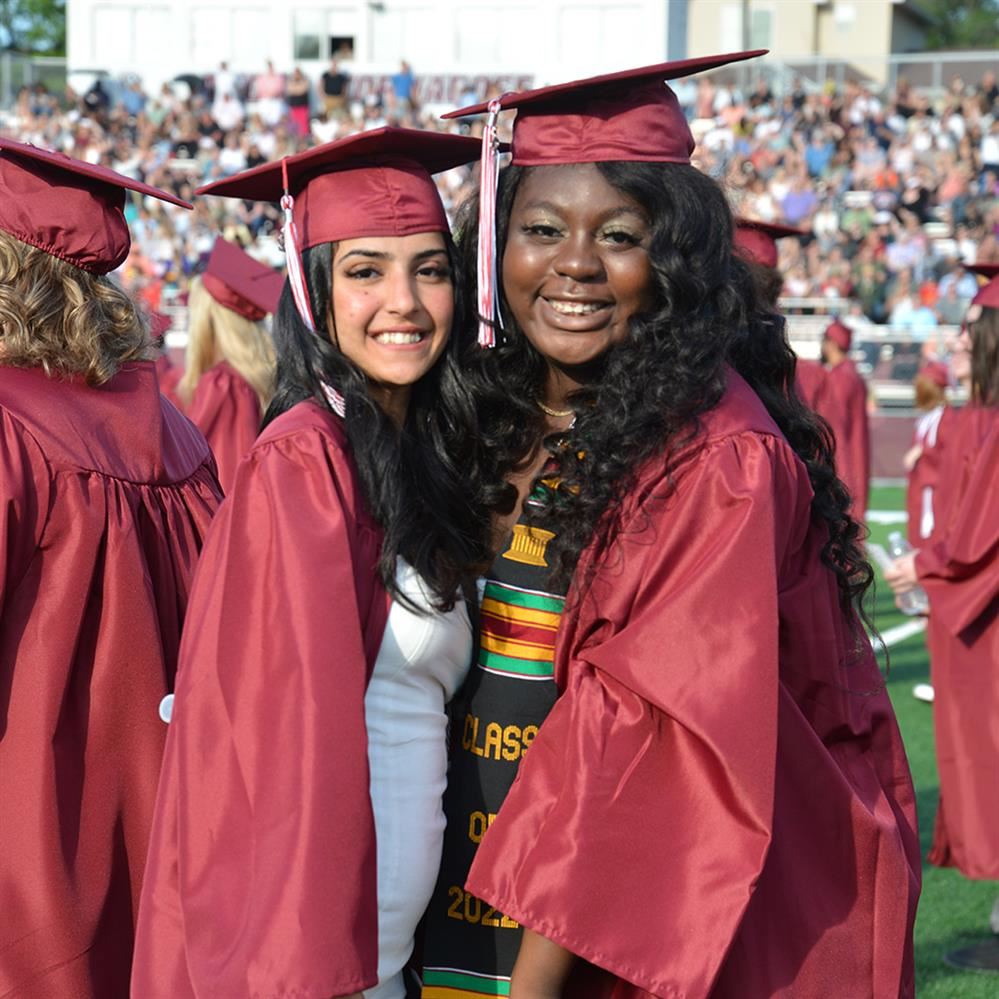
(25, 486)
(967, 550)
(642, 814)
(261, 878)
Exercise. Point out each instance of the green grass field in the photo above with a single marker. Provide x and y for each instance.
(952, 911)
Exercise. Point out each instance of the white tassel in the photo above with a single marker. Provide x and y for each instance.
(299, 289)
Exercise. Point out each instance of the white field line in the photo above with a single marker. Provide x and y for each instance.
(903, 631)
(887, 516)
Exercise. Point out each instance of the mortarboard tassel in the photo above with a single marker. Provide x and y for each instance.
(488, 180)
(296, 278)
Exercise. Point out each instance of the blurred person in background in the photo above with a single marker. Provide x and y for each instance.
(959, 569)
(922, 460)
(333, 88)
(229, 378)
(106, 493)
(298, 94)
(843, 405)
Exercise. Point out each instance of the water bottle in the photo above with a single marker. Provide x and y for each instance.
(915, 601)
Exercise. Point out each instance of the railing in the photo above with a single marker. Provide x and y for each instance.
(17, 71)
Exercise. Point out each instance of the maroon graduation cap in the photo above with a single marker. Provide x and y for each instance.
(757, 241)
(988, 294)
(375, 183)
(234, 279)
(936, 372)
(68, 208)
(632, 116)
(840, 334)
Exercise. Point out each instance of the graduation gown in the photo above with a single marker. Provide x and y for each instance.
(719, 803)
(261, 873)
(106, 496)
(226, 410)
(924, 477)
(843, 404)
(959, 569)
(169, 376)
(810, 380)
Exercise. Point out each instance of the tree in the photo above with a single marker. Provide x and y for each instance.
(36, 26)
(962, 24)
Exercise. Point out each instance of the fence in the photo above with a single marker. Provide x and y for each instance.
(17, 71)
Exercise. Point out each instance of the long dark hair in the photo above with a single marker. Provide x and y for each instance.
(418, 481)
(653, 387)
(984, 333)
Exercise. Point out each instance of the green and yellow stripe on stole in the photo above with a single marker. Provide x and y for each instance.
(518, 631)
(447, 983)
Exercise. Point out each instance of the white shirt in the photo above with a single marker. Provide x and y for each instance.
(422, 661)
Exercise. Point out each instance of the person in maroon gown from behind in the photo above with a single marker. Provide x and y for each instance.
(843, 405)
(106, 493)
(230, 357)
(756, 243)
(167, 373)
(959, 569)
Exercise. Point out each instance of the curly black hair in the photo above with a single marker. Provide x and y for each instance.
(708, 313)
(415, 480)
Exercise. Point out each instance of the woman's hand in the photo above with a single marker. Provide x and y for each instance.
(901, 575)
(541, 969)
(911, 456)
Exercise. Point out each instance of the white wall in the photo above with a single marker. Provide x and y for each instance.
(550, 40)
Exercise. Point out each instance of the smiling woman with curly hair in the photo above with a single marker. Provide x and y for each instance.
(676, 769)
(106, 492)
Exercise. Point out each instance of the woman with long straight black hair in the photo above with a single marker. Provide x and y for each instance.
(299, 825)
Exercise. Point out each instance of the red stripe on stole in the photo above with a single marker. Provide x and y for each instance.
(517, 631)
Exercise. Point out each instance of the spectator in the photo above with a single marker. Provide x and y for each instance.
(268, 93)
(403, 84)
(333, 88)
(298, 93)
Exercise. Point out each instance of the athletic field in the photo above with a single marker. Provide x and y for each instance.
(952, 911)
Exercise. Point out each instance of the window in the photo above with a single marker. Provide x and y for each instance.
(309, 32)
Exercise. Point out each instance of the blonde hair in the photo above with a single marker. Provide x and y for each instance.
(216, 333)
(55, 316)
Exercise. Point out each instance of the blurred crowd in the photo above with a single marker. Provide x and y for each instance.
(894, 189)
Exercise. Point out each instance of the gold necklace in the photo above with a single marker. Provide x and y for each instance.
(557, 413)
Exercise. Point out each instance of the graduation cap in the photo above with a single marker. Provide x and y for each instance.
(159, 323)
(840, 334)
(757, 241)
(234, 279)
(936, 372)
(626, 116)
(68, 208)
(988, 294)
(375, 183)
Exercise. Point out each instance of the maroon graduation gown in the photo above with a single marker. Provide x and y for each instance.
(226, 410)
(106, 496)
(719, 803)
(169, 376)
(960, 570)
(810, 380)
(843, 404)
(261, 876)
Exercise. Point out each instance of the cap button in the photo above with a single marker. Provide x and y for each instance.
(166, 708)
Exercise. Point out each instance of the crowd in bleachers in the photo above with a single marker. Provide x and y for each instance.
(895, 188)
